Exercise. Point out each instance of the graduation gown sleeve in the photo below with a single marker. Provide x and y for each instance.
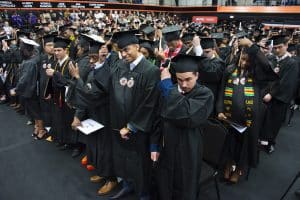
(188, 111)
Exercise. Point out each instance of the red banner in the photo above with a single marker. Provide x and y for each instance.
(205, 19)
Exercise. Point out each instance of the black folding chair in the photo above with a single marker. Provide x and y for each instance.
(214, 135)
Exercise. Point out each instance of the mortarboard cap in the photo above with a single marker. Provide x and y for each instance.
(148, 30)
(49, 38)
(278, 39)
(187, 37)
(147, 44)
(207, 43)
(29, 42)
(60, 42)
(95, 46)
(171, 33)
(241, 34)
(186, 63)
(126, 38)
(24, 32)
(217, 35)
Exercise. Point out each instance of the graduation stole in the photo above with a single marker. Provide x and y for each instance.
(174, 53)
(62, 73)
(248, 95)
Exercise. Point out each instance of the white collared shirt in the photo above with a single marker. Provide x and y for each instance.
(180, 90)
(98, 65)
(287, 54)
(136, 62)
(63, 60)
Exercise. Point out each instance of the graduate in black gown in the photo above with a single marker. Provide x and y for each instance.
(240, 101)
(133, 97)
(91, 102)
(45, 83)
(211, 68)
(185, 108)
(62, 112)
(27, 84)
(281, 93)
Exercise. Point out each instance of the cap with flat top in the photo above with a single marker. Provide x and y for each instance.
(148, 30)
(126, 38)
(171, 33)
(147, 44)
(279, 39)
(207, 43)
(60, 42)
(95, 46)
(186, 63)
(187, 37)
(29, 42)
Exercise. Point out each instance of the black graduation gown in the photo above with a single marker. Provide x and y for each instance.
(210, 73)
(134, 104)
(92, 102)
(181, 157)
(84, 66)
(27, 86)
(45, 88)
(262, 75)
(62, 113)
(282, 92)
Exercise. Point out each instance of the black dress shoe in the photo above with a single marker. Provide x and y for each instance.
(270, 149)
(297, 193)
(76, 152)
(122, 193)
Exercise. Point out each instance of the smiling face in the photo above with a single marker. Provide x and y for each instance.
(187, 80)
(130, 53)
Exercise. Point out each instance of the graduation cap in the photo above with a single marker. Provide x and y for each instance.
(186, 63)
(260, 37)
(126, 38)
(171, 33)
(95, 46)
(29, 42)
(187, 37)
(60, 42)
(207, 43)
(241, 34)
(84, 40)
(278, 39)
(49, 38)
(24, 32)
(147, 44)
(67, 26)
(148, 30)
(217, 35)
